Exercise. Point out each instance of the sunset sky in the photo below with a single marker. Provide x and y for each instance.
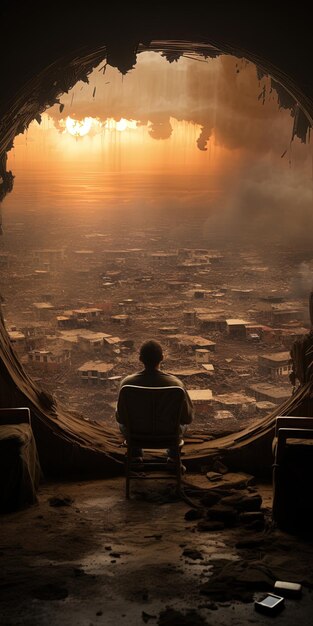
(192, 134)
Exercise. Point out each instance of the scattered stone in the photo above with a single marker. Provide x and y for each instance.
(238, 480)
(60, 501)
(78, 571)
(232, 500)
(250, 503)
(210, 498)
(214, 476)
(238, 580)
(115, 555)
(251, 516)
(256, 526)
(99, 613)
(193, 514)
(226, 514)
(108, 547)
(220, 467)
(158, 537)
(146, 617)
(210, 525)
(192, 554)
(218, 564)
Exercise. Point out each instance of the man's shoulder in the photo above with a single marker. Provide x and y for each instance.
(171, 379)
(147, 379)
(131, 379)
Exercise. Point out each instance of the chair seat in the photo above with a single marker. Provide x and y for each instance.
(19, 467)
(152, 465)
(155, 469)
(153, 444)
(292, 473)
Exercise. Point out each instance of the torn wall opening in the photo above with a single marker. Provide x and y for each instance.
(88, 439)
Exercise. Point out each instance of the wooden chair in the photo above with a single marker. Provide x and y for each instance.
(12, 416)
(152, 420)
(19, 463)
(292, 508)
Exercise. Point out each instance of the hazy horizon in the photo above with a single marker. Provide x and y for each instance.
(196, 139)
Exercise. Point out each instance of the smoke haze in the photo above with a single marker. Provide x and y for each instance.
(252, 183)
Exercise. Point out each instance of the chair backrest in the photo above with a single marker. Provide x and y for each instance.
(290, 427)
(151, 413)
(12, 416)
(286, 421)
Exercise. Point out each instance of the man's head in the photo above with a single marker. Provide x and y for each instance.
(151, 354)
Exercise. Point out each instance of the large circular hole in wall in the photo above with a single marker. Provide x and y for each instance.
(173, 202)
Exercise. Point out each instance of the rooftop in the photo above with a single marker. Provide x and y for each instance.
(208, 367)
(193, 340)
(234, 398)
(271, 390)
(16, 334)
(99, 366)
(200, 394)
(84, 251)
(90, 334)
(188, 372)
(276, 357)
(87, 310)
(112, 340)
(43, 305)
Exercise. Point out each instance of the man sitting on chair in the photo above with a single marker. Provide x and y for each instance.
(151, 355)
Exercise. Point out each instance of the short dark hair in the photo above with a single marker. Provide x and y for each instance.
(151, 353)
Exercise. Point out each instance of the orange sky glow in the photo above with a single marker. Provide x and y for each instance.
(193, 134)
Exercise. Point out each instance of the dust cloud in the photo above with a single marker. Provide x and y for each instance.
(267, 195)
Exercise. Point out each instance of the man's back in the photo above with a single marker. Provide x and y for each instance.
(152, 378)
(157, 378)
(157, 420)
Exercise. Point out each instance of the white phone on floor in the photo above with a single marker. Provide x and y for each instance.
(270, 604)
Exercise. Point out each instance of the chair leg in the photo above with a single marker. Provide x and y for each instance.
(127, 488)
(274, 492)
(178, 474)
(127, 472)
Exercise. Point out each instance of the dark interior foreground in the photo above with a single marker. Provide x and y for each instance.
(73, 540)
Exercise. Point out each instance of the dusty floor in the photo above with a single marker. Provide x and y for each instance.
(100, 559)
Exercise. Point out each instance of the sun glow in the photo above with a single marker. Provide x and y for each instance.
(78, 128)
(121, 125)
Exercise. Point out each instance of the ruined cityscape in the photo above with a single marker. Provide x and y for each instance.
(78, 306)
(123, 229)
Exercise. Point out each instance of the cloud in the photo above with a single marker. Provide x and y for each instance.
(161, 129)
(302, 281)
(267, 194)
(223, 95)
(264, 204)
